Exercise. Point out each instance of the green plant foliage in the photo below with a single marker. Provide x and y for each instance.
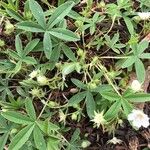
(69, 66)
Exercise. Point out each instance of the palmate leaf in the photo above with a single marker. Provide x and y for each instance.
(21, 137)
(37, 13)
(64, 34)
(59, 14)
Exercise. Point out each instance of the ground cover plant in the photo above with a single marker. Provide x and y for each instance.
(74, 74)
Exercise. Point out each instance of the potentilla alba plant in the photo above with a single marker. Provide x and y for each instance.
(98, 119)
(136, 86)
(138, 119)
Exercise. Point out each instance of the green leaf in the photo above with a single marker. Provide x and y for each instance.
(14, 15)
(90, 104)
(78, 83)
(20, 139)
(30, 109)
(53, 143)
(30, 46)
(30, 26)
(29, 60)
(16, 117)
(3, 140)
(64, 34)
(128, 62)
(138, 97)
(68, 68)
(47, 43)
(13, 54)
(39, 139)
(59, 14)
(140, 70)
(68, 52)
(77, 98)
(129, 25)
(142, 46)
(145, 56)
(111, 96)
(37, 13)
(127, 107)
(112, 112)
(18, 45)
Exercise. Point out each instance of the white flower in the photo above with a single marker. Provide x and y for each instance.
(144, 15)
(136, 85)
(138, 119)
(42, 80)
(33, 74)
(114, 140)
(98, 119)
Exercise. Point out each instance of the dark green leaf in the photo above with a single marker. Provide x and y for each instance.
(47, 43)
(77, 98)
(18, 45)
(68, 52)
(78, 83)
(39, 139)
(3, 140)
(59, 13)
(30, 26)
(113, 110)
(140, 70)
(16, 117)
(30, 109)
(127, 107)
(64, 34)
(21, 137)
(37, 13)
(90, 104)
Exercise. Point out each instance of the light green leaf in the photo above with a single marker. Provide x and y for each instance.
(29, 60)
(30, 26)
(127, 107)
(18, 45)
(39, 139)
(59, 14)
(145, 56)
(140, 70)
(129, 25)
(90, 104)
(47, 43)
(16, 117)
(129, 61)
(138, 97)
(68, 68)
(64, 34)
(20, 139)
(37, 13)
(30, 109)
(142, 46)
(77, 98)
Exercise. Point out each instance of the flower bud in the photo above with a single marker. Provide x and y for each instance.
(9, 28)
(42, 80)
(85, 144)
(136, 86)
